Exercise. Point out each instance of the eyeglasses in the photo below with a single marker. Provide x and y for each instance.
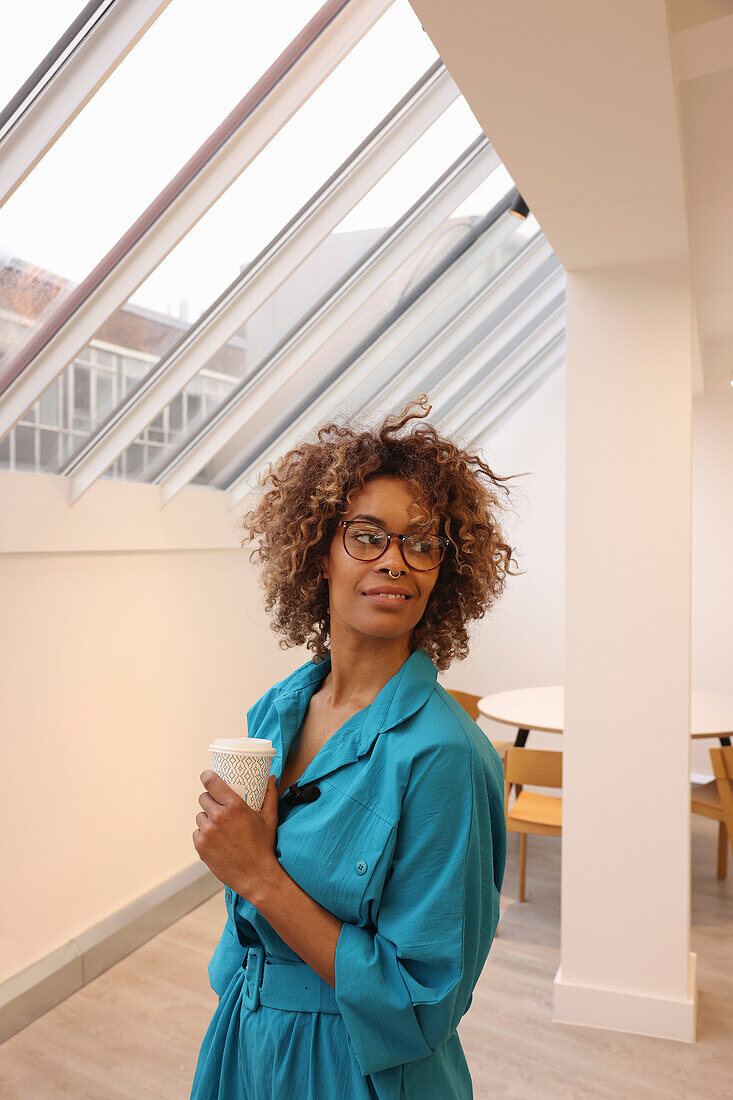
(366, 542)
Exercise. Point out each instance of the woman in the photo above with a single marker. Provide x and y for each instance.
(363, 898)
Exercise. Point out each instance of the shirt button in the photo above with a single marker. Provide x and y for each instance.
(361, 867)
(228, 894)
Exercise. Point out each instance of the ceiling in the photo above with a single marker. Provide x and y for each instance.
(615, 120)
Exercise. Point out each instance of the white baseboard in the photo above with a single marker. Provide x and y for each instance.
(28, 994)
(635, 1013)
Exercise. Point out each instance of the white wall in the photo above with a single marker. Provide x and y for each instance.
(712, 550)
(520, 642)
(118, 670)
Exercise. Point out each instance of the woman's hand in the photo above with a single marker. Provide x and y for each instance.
(236, 842)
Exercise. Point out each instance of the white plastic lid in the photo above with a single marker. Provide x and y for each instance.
(241, 744)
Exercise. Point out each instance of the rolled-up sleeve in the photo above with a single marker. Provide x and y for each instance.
(403, 986)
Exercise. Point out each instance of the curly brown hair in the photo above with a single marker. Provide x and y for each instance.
(312, 485)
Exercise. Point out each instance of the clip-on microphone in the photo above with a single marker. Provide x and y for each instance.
(297, 794)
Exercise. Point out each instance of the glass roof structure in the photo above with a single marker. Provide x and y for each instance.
(194, 273)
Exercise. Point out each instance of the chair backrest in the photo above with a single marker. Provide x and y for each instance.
(540, 767)
(722, 760)
(468, 701)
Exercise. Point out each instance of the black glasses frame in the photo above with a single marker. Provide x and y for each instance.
(345, 523)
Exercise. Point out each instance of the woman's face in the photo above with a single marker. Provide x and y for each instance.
(391, 501)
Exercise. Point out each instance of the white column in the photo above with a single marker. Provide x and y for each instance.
(625, 960)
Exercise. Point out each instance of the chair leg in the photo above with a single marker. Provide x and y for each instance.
(522, 863)
(722, 850)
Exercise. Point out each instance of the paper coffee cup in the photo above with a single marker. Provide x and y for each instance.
(244, 764)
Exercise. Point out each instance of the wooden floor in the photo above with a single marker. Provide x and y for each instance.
(135, 1031)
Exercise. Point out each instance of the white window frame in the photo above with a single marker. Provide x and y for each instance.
(89, 60)
(288, 363)
(430, 97)
(331, 35)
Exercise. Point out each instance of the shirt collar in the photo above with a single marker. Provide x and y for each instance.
(404, 694)
(401, 697)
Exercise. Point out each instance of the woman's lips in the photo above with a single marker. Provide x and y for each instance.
(386, 601)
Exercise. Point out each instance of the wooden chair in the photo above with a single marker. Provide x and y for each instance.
(470, 705)
(532, 812)
(715, 800)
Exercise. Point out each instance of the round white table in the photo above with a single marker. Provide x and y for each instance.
(543, 708)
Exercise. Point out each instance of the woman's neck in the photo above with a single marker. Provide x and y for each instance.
(359, 671)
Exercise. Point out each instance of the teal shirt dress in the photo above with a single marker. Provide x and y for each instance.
(405, 843)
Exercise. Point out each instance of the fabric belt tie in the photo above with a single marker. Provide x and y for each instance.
(278, 983)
